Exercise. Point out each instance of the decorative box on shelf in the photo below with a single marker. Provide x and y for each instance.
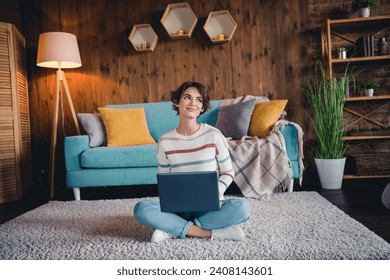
(143, 38)
(220, 26)
(179, 20)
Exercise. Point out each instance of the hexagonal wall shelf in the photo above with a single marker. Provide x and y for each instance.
(220, 26)
(179, 20)
(143, 38)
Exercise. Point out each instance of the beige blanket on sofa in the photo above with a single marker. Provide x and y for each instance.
(261, 165)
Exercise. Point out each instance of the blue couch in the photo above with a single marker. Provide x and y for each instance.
(137, 165)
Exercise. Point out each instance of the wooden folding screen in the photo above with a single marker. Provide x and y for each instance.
(15, 140)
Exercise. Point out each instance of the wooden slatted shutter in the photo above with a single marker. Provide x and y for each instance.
(15, 138)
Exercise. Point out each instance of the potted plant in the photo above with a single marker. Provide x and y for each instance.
(326, 98)
(369, 86)
(342, 52)
(363, 7)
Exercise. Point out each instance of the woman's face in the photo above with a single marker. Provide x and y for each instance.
(190, 104)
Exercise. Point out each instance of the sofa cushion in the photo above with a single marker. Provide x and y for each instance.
(94, 127)
(233, 120)
(120, 157)
(126, 127)
(264, 117)
(161, 117)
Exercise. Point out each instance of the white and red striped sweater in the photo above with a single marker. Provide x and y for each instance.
(205, 150)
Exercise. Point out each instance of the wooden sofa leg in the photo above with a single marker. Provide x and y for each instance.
(76, 193)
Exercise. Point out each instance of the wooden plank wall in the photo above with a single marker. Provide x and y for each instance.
(268, 55)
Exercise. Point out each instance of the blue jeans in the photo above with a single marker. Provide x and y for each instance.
(233, 211)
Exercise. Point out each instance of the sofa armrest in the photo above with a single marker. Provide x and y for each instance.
(290, 135)
(293, 136)
(73, 147)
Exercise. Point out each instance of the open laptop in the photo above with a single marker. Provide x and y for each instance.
(188, 191)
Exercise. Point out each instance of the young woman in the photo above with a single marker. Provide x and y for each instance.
(188, 148)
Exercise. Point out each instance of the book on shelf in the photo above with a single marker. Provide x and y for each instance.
(360, 47)
(365, 46)
(370, 45)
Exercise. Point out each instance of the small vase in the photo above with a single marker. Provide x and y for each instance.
(345, 80)
(382, 46)
(364, 12)
(369, 92)
(342, 55)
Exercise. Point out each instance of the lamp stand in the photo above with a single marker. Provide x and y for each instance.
(61, 81)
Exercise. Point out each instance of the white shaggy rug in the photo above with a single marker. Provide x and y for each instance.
(299, 225)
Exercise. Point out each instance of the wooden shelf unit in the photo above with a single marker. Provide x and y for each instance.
(353, 22)
(383, 100)
(179, 20)
(366, 98)
(334, 27)
(220, 27)
(365, 137)
(348, 30)
(361, 59)
(365, 176)
(143, 38)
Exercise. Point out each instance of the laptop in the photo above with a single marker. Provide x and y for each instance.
(188, 191)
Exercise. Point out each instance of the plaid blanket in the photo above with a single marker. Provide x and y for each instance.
(261, 165)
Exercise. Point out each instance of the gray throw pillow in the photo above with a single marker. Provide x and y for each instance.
(94, 127)
(233, 120)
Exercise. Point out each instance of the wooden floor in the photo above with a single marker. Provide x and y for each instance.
(360, 199)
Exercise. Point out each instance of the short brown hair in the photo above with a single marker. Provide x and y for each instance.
(177, 93)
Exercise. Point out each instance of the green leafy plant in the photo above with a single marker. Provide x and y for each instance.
(370, 84)
(359, 4)
(326, 98)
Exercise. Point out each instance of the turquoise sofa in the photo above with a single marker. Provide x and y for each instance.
(137, 165)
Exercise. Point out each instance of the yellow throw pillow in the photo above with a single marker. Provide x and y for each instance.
(126, 127)
(264, 116)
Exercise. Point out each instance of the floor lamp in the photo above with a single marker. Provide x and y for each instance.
(58, 50)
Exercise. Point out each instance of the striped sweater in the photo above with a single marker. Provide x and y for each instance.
(205, 150)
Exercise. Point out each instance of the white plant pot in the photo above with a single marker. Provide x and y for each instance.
(364, 12)
(342, 55)
(331, 172)
(369, 91)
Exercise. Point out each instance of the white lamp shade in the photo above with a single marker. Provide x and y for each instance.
(58, 50)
